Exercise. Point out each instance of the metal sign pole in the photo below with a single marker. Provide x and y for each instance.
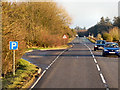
(64, 37)
(13, 46)
(64, 41)
(13, 62)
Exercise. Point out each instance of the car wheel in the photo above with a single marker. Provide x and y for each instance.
(94, 49)
(103, 54)
(118, 55)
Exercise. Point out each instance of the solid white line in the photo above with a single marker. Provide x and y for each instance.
(38, 79)
(50, 65)
(98, 67)
(46, 69)
(102, 78)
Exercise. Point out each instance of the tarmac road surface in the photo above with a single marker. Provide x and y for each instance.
(76, 67)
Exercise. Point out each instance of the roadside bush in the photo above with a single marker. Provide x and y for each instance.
(93, 40)
(107, 37)
(114, 33)
(99, 37)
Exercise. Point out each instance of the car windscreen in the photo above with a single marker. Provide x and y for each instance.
(112, 45)
(100, 42)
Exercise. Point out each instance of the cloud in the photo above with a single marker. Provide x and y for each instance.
(89, 13)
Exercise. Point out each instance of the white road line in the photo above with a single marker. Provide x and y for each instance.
(98, 67)
(101, 75)
(47, 69)
(38, 79)
(103, 79)
(93, 56)
(95, 60)
(107, 89)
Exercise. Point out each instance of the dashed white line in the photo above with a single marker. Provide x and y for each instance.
(95, 60)
(93, 56)
(98, 67)
(103, 79)
(77, 56)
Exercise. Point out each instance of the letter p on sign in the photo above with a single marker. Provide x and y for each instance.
(13, 45)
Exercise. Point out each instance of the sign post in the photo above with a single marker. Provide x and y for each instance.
(13, 62)
(13, 46)
(64, 37)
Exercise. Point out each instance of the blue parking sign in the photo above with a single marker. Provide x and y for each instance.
(13, 45)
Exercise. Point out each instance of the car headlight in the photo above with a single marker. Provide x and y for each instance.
(105, 50)
(118, 50)
(95, 45)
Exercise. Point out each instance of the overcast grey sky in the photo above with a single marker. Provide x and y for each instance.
(86, 13)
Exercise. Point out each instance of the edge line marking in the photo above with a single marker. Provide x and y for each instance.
(46, 69)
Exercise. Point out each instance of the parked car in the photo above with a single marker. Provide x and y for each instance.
(99, 44)
(111, 48)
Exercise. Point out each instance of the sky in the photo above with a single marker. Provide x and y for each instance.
(86, 13)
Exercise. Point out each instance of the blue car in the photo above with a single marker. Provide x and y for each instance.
(111, 48)
(99, 45)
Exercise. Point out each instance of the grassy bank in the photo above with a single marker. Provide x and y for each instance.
(91, 40)
(50, 48)
(24, 73)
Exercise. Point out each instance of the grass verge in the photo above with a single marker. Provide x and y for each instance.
(50, 48)
(24, 73)
(91, 40)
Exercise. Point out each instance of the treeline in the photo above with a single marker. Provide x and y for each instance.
(113, 35)
(32, 24)
(103, 26)
(107, 30)
(81, 31)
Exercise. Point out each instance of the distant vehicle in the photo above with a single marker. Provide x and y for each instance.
(99, 45)
(76, 35)
(111, 48)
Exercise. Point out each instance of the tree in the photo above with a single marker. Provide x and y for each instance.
(107, 21)
(102, 21)
(78, 28)
(114, 33)
(99, 37)
(32, 24)
(116, 21)
(107, 37)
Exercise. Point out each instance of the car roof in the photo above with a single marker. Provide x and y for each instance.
(111, 43)
(100, 40)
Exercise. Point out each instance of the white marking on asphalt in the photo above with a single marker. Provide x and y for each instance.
(47, 69)
(107, 89)
(93, 56)
(101, 75)
(98, 67)
(38, 79)
(95, 60)
(103, 79)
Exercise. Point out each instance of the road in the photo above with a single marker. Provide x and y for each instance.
(76, 67)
